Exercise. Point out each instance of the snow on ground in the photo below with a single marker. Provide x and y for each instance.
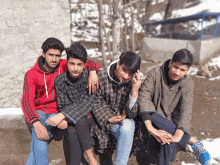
(214, 61)
(89, 12)
(210, 146)
(204, 6)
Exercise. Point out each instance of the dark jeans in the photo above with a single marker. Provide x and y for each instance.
(166, 151)
(79, 139)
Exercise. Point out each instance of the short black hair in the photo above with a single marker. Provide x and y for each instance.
(76, 51)
(131, 60)
(183, 56)
(52, 43)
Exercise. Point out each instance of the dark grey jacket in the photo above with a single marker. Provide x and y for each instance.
(173, 102)
(73, 99)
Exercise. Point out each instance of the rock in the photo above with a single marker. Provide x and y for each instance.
(202, 133)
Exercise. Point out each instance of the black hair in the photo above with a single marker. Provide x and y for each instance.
(131, 60)
(183, 56)
(52, 43)
(76, 51)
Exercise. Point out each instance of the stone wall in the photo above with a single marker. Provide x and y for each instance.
(24, 26)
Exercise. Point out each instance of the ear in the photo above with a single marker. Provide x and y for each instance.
(118, 64)
(43, 54)
(170, 64)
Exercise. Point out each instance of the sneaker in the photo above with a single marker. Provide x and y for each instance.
(202, 155)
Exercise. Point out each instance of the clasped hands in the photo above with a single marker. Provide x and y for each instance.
(164, 137)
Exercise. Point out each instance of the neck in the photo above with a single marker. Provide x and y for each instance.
(48, 68)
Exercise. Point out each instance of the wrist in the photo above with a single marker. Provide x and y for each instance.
(62, 116)
(134, 94)
(35, 124)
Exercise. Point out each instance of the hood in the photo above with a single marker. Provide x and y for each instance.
(39, 65)
(164, 67)
(110, 67)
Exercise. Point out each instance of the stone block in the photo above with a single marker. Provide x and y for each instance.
(24, 28)
(3, 24)
(54, 12)
(10, 32)
(19, 13)
(6, 13)
(8, 4)
(18, 21)
(3, 71)
(4, 42)
(18, 40)
(26, 47)
(29, 37)
(49, 19)
(10, 23)
(39, 19)
(47, 4)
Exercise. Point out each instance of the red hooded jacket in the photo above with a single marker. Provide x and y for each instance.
(39, 91)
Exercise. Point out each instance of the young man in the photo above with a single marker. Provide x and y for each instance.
(75, 104)
(116, 105)
(165, 100)
(39, 96)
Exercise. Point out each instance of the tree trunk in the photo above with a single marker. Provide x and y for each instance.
(101, 34)
(132, 31)
(126, 29)
(108, 41)
(116, 27)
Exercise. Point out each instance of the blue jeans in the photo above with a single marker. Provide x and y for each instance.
(124, 133)
(39, 148)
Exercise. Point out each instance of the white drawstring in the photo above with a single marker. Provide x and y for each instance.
(45, 85)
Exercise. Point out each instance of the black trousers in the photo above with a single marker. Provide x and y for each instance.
(79, 139)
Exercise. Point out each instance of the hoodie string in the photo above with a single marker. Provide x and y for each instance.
(45, 85)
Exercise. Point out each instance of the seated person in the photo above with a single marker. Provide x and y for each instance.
(165, 100)
(39, 100)
(75, 104)
(115, 107)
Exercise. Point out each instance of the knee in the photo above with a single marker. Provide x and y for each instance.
(81, 122)
(42, 116)
(128, 125)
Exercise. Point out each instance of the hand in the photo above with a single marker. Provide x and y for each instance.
(55, 120)
(136, 84)
(63, 124)
(117, 119)
(177, 136)
(162, 136)
(93, 81)
(41, 131)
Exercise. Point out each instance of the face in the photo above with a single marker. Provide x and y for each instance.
(177, 70)
(52, 59)
(122, 73)
(75, 67)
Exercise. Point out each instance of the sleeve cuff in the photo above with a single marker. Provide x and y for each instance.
(132, 101)
(145, 116)
(34, 121)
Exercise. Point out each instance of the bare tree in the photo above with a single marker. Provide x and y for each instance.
(101, 34)
(116, 5)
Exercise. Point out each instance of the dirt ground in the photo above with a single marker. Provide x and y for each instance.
(15, 137)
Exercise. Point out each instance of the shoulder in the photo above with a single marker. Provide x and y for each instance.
(187, 82)
(102, 74)
(31, 74)
(60, 79)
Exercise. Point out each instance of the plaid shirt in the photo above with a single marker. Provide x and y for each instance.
(73, 99)
(112, 98)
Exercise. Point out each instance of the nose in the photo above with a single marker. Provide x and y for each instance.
(126, 76)
(177, 72)
(75, 67)
(54, 58)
